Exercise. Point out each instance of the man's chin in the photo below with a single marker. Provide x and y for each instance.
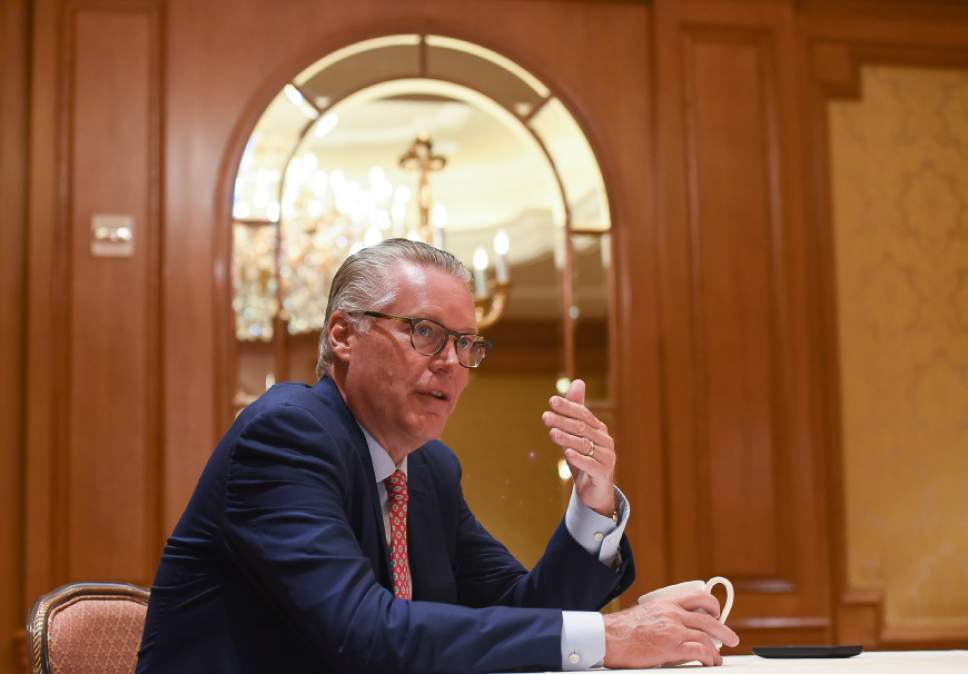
(429, 427)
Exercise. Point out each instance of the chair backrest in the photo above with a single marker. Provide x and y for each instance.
(87, 627)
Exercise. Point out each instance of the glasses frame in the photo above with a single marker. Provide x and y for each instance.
(412, 322)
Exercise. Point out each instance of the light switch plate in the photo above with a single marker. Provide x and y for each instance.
(112, 235)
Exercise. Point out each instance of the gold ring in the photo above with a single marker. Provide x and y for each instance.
(591, 452)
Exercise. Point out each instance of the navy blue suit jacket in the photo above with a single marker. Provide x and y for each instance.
(280, 563)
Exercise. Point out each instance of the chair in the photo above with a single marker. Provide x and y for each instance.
(87, 627)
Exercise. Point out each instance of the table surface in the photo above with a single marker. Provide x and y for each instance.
(882, 662)
(879, 662)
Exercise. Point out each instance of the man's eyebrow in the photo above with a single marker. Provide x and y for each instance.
(465, 331)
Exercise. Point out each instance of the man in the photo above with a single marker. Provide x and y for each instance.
(329, 533)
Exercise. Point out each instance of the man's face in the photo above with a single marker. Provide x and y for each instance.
(401, 397)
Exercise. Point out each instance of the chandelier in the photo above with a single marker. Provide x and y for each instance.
(323, 219)
(490, 296)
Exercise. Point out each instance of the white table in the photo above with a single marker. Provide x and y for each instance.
(879, 662)
(874, 662)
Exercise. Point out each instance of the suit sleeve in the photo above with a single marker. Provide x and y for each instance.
(566, 577)
(286, 497)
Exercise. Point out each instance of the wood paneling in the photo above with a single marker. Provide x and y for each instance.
(707, 118)
(92, 508)
(740, 467)
(111, 352)
(730, 150)
(43, 365)
(14, 68)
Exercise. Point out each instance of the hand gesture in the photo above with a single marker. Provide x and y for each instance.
(588, 448)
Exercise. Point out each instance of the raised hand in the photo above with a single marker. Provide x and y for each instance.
(589, 449)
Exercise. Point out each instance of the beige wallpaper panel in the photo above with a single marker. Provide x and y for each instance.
(900, 211)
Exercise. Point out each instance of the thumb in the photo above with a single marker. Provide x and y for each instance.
(576, 392)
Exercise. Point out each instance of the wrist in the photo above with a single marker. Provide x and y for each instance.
(606, 507)
(612, 513)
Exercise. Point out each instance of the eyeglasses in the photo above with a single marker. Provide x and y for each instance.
(428, 338)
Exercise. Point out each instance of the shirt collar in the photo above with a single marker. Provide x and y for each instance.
(383, 466)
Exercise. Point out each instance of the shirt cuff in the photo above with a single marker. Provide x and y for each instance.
(582, 640)
(596, 533)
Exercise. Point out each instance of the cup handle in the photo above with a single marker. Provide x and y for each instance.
(719, 580)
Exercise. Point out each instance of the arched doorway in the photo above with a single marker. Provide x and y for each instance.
(321, 175)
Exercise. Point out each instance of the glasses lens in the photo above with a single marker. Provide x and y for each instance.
(428, 337)
(474, 355)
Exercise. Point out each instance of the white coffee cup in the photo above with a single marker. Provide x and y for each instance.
(691, 587)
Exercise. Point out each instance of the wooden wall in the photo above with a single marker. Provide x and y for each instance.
(708, 119)
(93, 418)
(742, 462)
(14, 69)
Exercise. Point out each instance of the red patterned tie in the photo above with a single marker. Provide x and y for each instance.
(397, 498)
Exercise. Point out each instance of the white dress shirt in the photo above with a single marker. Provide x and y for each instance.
(582, 632)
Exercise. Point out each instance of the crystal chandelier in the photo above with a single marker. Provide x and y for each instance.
(324, 218)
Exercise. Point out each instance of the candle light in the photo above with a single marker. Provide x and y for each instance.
(398, 211)
(438, 219)
(480, 267)
(501, 246)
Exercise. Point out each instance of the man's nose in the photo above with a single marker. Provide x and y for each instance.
(448, 355)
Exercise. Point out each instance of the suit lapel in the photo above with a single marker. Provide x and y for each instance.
(376, 517)
(421, 515)
(379, 555)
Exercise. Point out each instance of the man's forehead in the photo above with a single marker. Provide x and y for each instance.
(417, 277)
(435, 291)
(410, 275)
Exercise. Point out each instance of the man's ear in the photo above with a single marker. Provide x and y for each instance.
(340, 333)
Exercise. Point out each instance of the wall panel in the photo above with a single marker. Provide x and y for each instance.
(92, 506)
(899, 182)
(741, 470)
(111, 352)
(733, 240)
(14, 70)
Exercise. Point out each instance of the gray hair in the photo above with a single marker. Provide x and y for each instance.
(364, 282)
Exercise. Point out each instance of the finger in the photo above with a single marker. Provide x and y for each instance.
(577, 427)
(699, 637)
(709, 625)
(572, 409)
(602, 454)
(706, 654)
(576, 392)
(696, 601)
(727, 636)
(578, 461)
(581, 443)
